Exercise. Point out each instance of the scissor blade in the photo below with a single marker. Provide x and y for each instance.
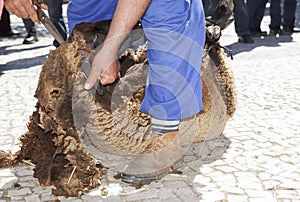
(50, 26)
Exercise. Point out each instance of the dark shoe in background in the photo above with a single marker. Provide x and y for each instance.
(274, 32)
(258, 33)
(289, 30)
(245, 39)
(31, 37)
(9, 34)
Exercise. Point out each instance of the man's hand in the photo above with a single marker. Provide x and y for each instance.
(106, 66)
(105, 63)
(23, 9)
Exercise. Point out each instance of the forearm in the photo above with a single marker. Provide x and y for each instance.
(127, 14)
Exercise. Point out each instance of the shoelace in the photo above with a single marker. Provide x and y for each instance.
(157, 144)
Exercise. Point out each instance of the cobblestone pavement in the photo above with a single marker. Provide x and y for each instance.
(256, 158)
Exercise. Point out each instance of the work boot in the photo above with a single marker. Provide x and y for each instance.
(158, 159)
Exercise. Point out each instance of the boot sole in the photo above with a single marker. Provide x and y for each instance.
(148, 179)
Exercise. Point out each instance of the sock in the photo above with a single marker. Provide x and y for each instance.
(161, 127)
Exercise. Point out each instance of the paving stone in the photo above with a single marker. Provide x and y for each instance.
(286, 194)
(112, 199)
(19, 192)
(291, 184)
(213, 196)
(233, 197)
(9, 184)
(48, 196)
(184, 191)
(264, 176)
(260, 199)
(226, 169)
(71, 199)
(27, 178)
(152, 200)
(27, 172)
(173, 199)
(190, 198)
(33, 198)
(174, 184)
(148, 194)
(259, 193)
(165, 192)
(225, 180)
(202, 179)
(232, 190)
(28, 184)
(87, 198)
(5, 173)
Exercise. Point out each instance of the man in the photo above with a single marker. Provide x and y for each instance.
(176, 35)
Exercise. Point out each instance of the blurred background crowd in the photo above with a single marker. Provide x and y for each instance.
(248, 15)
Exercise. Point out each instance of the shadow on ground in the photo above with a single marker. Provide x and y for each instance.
(199, 154)
(268, 41)
(23, 63)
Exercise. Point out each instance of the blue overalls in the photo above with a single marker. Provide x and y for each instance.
(175, 30)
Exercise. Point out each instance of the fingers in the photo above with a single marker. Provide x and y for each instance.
(22, 9)
(107, 76)
(92, 78)
(44, 6)
(30, 10)
(110, 74)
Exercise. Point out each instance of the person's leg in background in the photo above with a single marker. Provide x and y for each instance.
(241, 22)
(31, 36)
(5, 28)
(256, 11)
(56, 16)
(206, 4)
(275, 15)
(212, 6)
(1, 7)
(289, 12)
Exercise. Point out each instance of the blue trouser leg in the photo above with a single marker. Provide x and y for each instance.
(176, 35)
